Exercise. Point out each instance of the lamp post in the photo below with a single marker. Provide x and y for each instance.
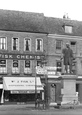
(46, 84)
(35, 85)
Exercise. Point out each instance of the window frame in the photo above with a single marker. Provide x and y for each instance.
(57, 49)
(68, 29)
(12, 43)
(74, 51)
(25, 46)
(6, 67)
(41, 50)
(5, 43)
(18, 67)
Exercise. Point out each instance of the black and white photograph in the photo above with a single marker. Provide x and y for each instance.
(40, 57)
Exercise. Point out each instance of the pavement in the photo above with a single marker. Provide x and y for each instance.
(32, 107)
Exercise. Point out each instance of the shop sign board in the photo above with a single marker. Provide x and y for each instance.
(21, 83)
(21, 56)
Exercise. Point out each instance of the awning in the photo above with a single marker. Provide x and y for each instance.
(21, 83)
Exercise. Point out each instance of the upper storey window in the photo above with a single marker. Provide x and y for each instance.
(3, 43)
(58, 44)
(27, 44)
(68, 29)
(15, 44)
(39, 44)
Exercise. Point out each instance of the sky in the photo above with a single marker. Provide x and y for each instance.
(50, 8)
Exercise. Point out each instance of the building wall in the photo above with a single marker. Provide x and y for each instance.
(21, 36)
(54, 55)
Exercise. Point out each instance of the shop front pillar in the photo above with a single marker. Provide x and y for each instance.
(68, 89)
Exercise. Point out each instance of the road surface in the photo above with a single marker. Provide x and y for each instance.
(25, 110)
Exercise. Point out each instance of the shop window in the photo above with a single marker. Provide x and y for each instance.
(27, 67)
(3, 43)
(39, 44)
(3, 66)
(58, 44)
(27, 44)
(15, 44)
(15, 67)
(59, 66)
(73, 46)
(68, 29)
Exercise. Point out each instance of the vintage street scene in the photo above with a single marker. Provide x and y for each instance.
(40, 58)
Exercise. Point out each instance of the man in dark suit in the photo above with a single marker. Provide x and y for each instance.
(68, 58)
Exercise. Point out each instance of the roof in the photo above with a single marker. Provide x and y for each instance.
(56, 26)
(21, 21)
(37, 22)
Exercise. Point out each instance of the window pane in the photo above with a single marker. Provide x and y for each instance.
(73, 46)
(59, 66)
(27, 64)
(15, 43)
(39, 45)
(15, 68)
(3, 43)
(27, 69)
(68, 29)
(27, 44)
(3, 68)
(15, 63)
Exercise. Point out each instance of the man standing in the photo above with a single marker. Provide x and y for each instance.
(68, 58)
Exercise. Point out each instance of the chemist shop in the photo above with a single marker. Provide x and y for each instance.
(20, 89)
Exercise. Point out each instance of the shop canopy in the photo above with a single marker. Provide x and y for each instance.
(22, 83)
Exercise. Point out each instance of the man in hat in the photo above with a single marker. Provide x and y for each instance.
(68, 58)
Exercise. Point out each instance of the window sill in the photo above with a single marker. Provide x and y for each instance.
(3, 73)
(15, 73)
(27, 73)
(39, 50)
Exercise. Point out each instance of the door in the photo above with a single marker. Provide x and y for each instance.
(52, 93)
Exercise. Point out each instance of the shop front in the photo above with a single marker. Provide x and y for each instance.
(21, 89)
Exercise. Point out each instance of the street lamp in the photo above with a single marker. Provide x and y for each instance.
(46, 84)
(35, 86)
